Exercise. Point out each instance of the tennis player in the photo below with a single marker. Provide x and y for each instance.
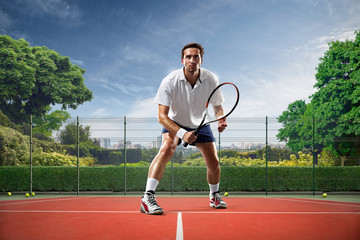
(181, 100)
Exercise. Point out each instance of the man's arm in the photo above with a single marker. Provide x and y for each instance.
(219, 111)
(172, 127)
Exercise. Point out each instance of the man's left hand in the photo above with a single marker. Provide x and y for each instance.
(222, 125)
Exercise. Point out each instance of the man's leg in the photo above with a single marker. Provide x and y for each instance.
(156, 171)
(167, 150)
(208, 151)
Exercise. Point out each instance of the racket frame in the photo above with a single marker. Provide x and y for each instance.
(202, 124)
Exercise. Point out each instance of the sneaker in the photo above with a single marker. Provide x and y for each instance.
(216, 201)
(149, 204)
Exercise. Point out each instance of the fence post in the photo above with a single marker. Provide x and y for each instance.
(219, 154)
(172, 177)
(124, 155)
(31, 181)
(77, 155)
(266, 154)
(313, 152)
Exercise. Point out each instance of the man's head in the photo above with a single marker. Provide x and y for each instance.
(191, 57)
(193, 45)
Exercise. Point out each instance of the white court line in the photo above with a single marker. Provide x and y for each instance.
(65, 211)
(179, 228)
(179, 213)
(304, 213)
(317, 201)
(39, 201)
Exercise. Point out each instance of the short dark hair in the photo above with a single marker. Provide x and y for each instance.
(193, 45)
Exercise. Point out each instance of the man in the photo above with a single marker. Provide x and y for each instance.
(181, 100)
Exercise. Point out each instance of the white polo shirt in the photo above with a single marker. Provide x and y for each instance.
(187, 104)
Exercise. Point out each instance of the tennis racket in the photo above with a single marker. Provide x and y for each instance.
(221, 107)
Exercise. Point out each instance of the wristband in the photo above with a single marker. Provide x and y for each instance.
(181, 133)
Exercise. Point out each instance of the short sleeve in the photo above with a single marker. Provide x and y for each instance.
(164, 93)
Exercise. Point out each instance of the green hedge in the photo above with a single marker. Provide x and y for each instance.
(64, 179)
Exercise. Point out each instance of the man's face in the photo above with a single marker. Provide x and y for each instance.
(192, 60)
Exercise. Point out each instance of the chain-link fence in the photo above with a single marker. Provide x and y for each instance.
(113, 154)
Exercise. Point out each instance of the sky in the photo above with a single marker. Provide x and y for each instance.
(269, 48)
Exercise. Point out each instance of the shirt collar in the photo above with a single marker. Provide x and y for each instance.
(182, 75)
(183, 78)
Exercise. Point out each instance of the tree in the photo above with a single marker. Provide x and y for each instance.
(69, 133)
(48, 123)
(337, 101)
(33, 78)
(335, 106)
(292, 123)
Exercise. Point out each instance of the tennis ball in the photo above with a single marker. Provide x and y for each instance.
(226, 194)
(27, 195)
(324, 195)
(9, 194)
(32, 194)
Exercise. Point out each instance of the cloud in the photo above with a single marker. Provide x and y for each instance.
(269, 93)
(57, 8)
(7, 24)
(141, 54)
(143, 108)
(330, 9)
(102, 112)
(110, 102)
(78, 62)
(269, 90)
(308, 54)
(125, 88)
(5, 20)
(321, 43)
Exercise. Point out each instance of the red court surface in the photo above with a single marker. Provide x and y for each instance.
(184, 218)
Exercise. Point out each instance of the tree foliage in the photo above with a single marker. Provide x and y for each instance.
(337, 101)
(33, 78)
(301, 159)
(335, 105)
(68, 135)
(48, 123)
(292, 124)
(15, 150)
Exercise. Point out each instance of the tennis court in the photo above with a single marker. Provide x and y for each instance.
(186, 217)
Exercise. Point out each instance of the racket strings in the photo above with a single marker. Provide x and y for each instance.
(218, 112)
(222, 101)
(215, 110)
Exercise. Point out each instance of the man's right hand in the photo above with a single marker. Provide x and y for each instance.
(189, 137)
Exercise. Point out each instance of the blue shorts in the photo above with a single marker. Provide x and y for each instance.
(204, 135)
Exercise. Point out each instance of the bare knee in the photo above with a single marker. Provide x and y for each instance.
(213, 165)
(157, 166)
(167, 149)
(208, 150)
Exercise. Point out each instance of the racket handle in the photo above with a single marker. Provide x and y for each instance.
(195, 133)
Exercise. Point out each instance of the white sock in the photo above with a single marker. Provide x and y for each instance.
(151, 184)
(214, 188)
